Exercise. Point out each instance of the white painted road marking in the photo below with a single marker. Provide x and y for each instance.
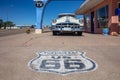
(62, 62)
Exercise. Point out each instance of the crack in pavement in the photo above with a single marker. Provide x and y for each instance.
(26, 44)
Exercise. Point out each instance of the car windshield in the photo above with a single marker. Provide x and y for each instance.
(63, 15)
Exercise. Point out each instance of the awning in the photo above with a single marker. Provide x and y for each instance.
(88, 4)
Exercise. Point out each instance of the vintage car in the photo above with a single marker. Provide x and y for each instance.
(67, 23)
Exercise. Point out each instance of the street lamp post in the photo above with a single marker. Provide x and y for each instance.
(40, 7)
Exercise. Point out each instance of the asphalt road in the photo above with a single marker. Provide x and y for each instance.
(17, 50)
(7, 32)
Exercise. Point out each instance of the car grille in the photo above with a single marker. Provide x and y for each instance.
(69, 25)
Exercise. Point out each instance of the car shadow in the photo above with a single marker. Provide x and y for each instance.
(68, 34)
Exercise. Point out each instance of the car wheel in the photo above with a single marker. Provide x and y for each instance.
(54, 32)
(79, 33)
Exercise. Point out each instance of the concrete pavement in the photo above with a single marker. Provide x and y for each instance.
(17, 50)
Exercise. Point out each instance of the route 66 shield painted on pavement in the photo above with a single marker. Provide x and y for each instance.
(62, 62)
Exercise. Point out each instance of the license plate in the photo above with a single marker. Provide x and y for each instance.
(67, 29)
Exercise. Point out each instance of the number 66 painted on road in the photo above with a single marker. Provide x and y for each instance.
(62, 62)
(56, 64)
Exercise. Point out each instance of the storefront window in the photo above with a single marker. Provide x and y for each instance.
(87, 19)
(102, 17)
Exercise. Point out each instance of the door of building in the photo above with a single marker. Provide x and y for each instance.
(92, 22)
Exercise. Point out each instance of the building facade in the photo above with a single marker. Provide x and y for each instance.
(99, 14)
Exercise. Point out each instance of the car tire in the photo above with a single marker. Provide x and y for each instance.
(79, 33)
(54, 33)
